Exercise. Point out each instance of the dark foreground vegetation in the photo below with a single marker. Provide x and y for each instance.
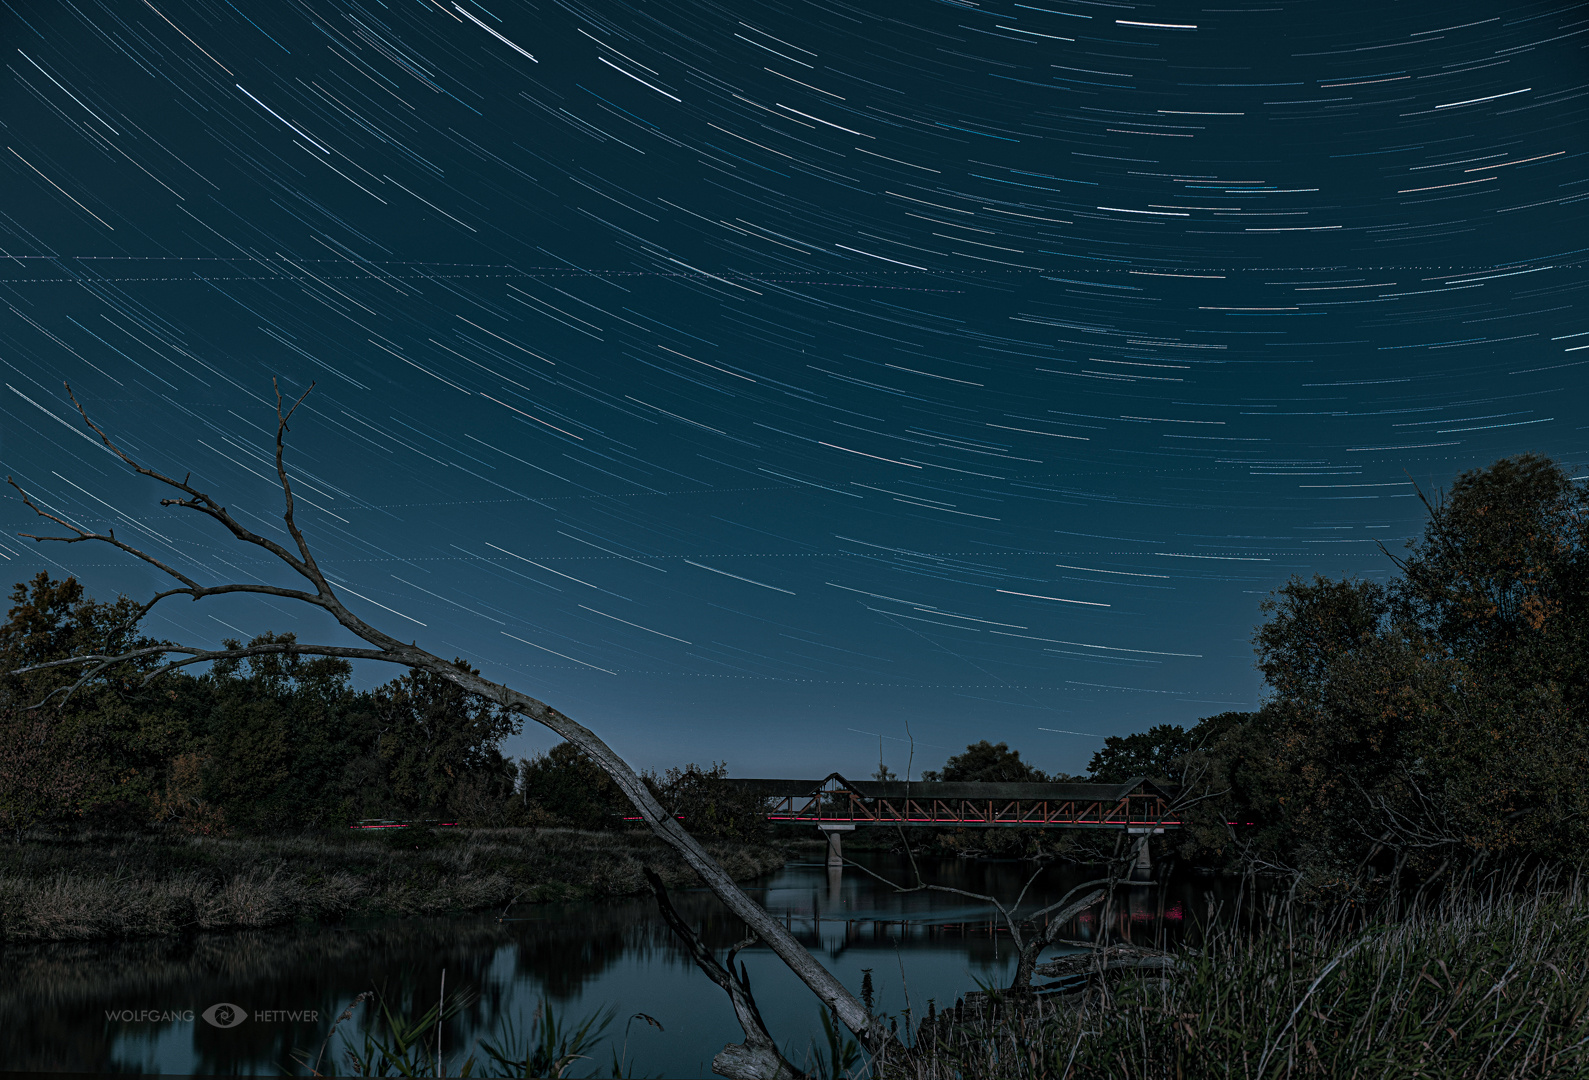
(1491, 980)
(1486, 983)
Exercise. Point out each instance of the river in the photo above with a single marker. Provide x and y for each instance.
(139, 1006)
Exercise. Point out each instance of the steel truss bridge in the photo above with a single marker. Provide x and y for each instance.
(835, 803)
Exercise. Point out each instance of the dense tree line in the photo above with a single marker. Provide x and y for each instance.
(1411, 727)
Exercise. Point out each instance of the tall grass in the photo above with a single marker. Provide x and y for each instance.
(106, 886)
(1477, 985)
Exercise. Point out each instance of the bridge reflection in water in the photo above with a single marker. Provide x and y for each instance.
(1139, 918)
(857, 911)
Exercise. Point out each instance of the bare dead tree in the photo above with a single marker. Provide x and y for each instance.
(759, 1058)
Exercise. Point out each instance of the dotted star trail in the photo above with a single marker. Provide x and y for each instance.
(752, 380)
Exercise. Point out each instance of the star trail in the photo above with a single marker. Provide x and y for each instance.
(751, 381)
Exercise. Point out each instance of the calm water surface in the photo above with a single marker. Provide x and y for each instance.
(580, 958)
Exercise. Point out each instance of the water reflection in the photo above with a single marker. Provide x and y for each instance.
(581, 957)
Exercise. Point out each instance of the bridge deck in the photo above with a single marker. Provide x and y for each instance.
(835, 801)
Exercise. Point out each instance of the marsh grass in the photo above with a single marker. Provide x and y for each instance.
(106, 886)
(1476, 985)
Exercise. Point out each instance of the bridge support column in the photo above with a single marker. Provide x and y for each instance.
(835, 846)
(1143, 869)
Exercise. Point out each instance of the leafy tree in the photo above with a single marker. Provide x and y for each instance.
(50, 620)
(432, 734)
(1155, 753)
(1235, 777)
(99, 753)
(281, 742)
(708, 806)
(1501, 577)
(41, 776)
(277, 739)
(564, 785)
(568, 787)
(182, 803)
(987, 762)
(1440, 717)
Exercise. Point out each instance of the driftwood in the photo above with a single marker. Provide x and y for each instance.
(1108, 959)
(756, 1061)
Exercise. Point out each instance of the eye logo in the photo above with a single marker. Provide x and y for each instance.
(222, 1015)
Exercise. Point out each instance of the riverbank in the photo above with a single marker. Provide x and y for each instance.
(98, 887)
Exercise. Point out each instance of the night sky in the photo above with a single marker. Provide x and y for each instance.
(752, 380)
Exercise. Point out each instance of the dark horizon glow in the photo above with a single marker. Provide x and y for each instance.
(791, 384)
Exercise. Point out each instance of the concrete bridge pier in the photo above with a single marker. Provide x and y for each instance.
(1143, 868)
(835, 846)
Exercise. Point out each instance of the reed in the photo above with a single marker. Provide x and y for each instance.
(1491, 984)
(395, 1044)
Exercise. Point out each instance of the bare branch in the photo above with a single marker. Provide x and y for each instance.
(190, 587)
(1022, 894)
(749, 940)
(194, 656)
(281, 471)
(84, 534)
(1064, 899)
(1070, 912)
(196, 500)
(1009, 919)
